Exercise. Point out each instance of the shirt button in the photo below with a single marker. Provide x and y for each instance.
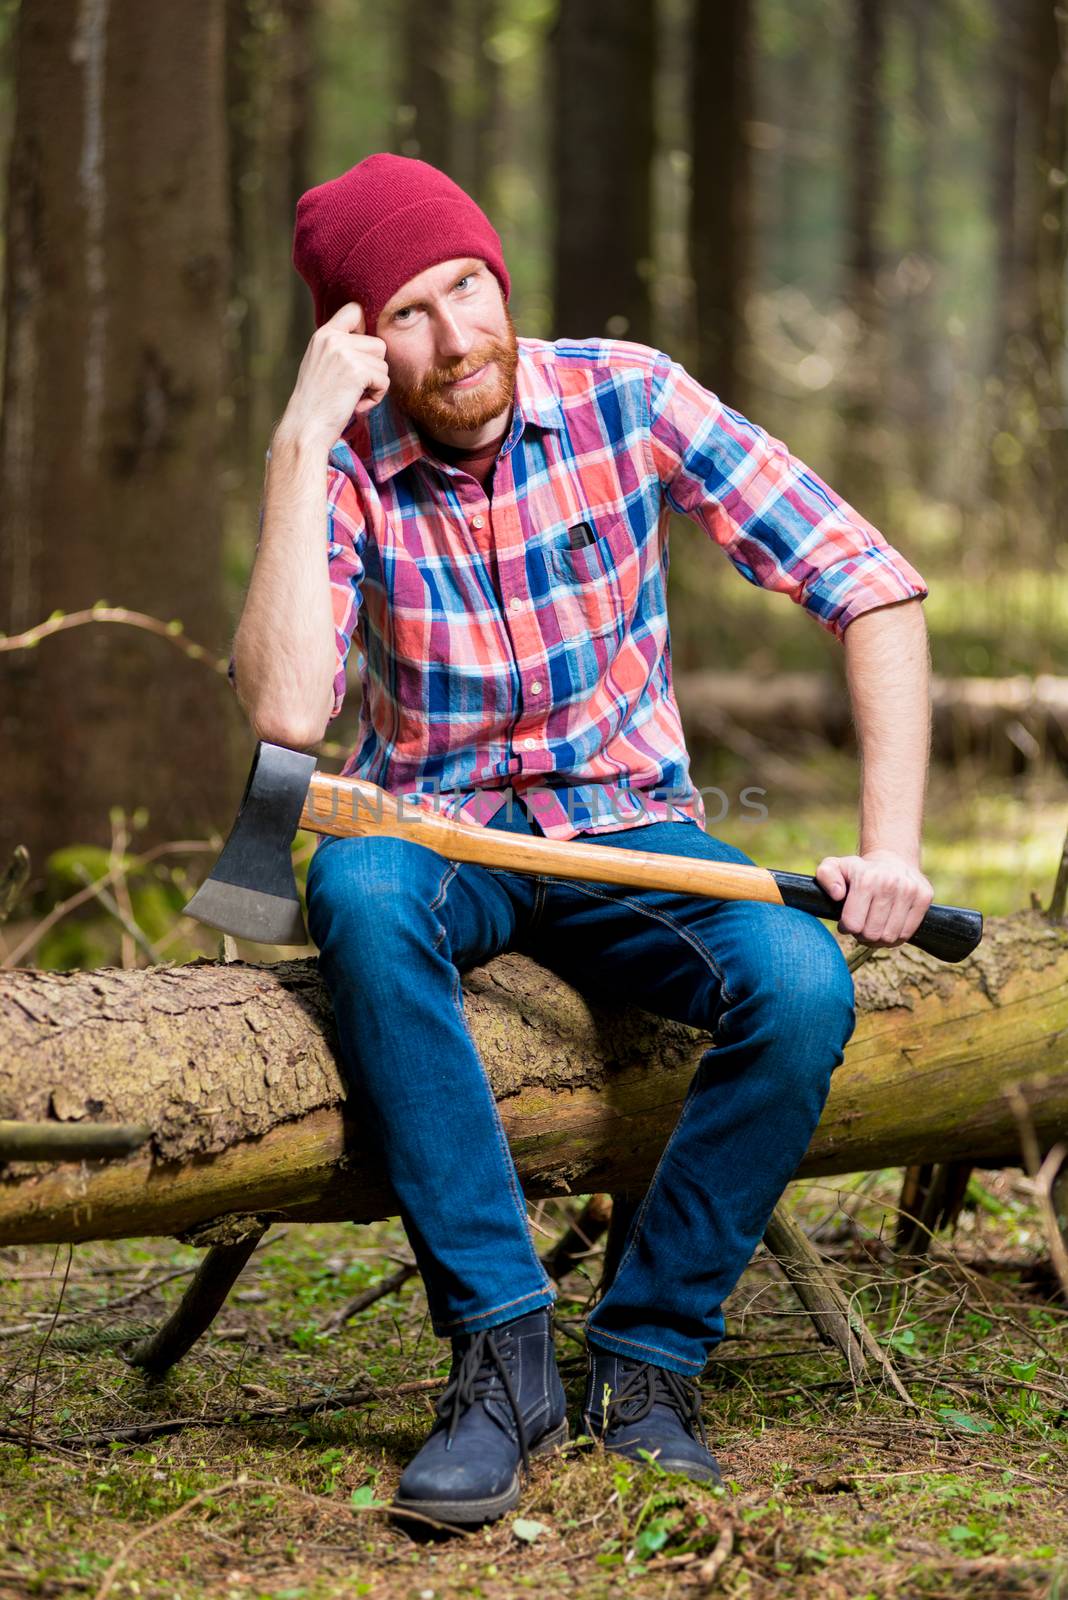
(535, 687)
(516, 603)
(477, 522)
(530, 744)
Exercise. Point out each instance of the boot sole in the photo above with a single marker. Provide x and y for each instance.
(465, 1513)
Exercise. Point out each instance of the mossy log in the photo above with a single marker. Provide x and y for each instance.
(233, 1066)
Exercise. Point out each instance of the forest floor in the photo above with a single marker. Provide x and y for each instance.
(261, 1466)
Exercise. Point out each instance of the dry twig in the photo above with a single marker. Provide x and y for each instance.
(1043, 1175)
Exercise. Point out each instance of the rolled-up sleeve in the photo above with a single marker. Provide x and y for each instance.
(778, 522)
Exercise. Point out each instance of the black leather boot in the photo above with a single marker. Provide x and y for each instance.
(503, 1403)
(634, 1405)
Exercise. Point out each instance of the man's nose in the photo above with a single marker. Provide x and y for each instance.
(454, 339)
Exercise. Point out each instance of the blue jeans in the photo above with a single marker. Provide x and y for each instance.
(396, 924)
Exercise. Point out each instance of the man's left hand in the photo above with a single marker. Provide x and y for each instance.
(886, 896)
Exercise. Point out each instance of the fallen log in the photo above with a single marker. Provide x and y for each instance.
(1014, 720)
(233, 1066)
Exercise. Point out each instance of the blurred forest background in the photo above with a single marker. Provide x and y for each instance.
(846, 217)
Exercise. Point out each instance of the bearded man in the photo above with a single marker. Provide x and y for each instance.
(496, 513)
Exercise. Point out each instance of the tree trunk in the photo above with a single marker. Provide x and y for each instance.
(1006, 78)
(720, 228)
(478, 145)
(603, 58)
(268, 85)
(425, 117)
(234, 1067)
(1028, 465)
(921, 395)
(118, 271)
(860, 475)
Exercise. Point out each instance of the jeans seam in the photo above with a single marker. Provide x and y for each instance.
(539, 899)
(506, 1305)
(635, 1344)
(671, 922)
(439, 898)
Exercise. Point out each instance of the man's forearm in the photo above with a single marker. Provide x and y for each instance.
(888, 670)
(284, 651)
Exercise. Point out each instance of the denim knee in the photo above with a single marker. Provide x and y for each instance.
(366, 891)
(796, 978)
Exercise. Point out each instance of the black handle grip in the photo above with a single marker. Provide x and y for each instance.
(948, 932)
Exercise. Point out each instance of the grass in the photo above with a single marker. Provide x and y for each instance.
(833, 1489)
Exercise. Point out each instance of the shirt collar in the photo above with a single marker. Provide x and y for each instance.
(395, 442)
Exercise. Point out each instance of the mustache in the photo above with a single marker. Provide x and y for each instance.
(440, 378)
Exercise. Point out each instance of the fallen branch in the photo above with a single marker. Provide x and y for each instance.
(369, 1297)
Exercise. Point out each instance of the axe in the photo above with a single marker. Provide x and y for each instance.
(252, 891)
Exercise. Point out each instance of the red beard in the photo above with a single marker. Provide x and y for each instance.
(438, 410)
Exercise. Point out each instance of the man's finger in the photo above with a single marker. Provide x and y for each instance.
(829, 877)
(855, 911)
(348, 318)
(908, 919)
(881, 917)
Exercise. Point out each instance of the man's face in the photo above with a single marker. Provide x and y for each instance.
(450, 323)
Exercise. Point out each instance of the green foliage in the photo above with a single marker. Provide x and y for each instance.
(89, 936)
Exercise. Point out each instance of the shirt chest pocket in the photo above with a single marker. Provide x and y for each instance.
(595, 588)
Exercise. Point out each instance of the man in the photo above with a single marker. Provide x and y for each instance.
(497, 512)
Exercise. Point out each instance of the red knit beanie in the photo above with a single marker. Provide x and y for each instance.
(361, 236)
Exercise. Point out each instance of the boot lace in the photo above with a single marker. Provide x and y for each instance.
(645, 1386)
(482, 1372)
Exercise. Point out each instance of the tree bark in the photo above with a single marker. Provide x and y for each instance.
(425, 120)
(860, 474)
(118, 271)
(720, 223)
(269, 76)
(235, 1068)
(1028, 464)
(603, 57)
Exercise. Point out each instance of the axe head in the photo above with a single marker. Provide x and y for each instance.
(251, 891)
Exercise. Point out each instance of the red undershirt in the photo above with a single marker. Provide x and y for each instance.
(478, 463)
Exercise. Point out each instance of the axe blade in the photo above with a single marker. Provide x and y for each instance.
(251, 891)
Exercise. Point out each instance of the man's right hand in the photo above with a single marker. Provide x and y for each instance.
(343, 371)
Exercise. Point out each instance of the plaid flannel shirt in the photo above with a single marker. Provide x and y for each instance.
(496, 660)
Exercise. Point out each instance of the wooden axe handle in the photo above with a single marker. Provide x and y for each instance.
(354, 808)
